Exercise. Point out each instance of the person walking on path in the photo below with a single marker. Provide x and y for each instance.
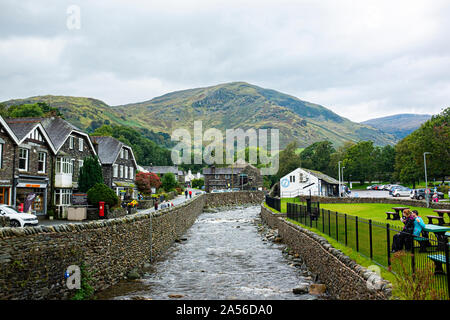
(190, 193)
(156, 205)
(186, 193)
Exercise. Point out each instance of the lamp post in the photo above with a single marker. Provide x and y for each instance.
(426, 181)
(339, 176)
(342, 175)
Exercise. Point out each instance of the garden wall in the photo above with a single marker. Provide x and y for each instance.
(398, 201)
(344, 278)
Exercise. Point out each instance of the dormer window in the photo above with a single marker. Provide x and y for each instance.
(121, 153)
(70, 142)
(80, 144)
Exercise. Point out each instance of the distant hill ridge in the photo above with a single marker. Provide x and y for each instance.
(399, 125)
(223, 106)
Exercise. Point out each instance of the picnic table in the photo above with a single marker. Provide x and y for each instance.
(440, 232)
(441, 212)
(398, 212)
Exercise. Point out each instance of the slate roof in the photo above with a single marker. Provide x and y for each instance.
(21, 127)
(162, 169)
(108, 149)
(322, 176)
(58, 130)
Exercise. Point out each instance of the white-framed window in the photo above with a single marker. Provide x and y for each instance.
(1, 155)
(125, 172)
(63, 197)
(131, 176)
(121, 171)
(23, 159)
(115, 170)
(80, 164)
(126, 153)
(64, 165)
(72, 167)
(42, 160)
(71, 142)
(80, 144)
(121, 153)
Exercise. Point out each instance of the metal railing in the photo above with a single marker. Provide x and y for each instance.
(374, 240)
(274, 203)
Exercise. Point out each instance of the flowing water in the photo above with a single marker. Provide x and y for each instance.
(223, 257)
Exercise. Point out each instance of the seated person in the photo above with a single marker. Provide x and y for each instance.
(402, 239)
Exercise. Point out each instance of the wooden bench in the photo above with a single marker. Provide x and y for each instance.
(438, 218)
(395, 215)
(438, 260)
(423, 242)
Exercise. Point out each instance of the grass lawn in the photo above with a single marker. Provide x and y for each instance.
(376, 211)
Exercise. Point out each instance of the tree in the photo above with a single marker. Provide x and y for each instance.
(90, 174)
(198, 183)
(169, 182)
(359, 161)
(289, 160)
(101, 192)
(25, 110)
(317, 156)
(145, 181)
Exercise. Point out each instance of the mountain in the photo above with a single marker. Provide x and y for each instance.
(224, 106)
(399, 125)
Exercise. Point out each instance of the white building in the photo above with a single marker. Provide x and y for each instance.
(305, 182)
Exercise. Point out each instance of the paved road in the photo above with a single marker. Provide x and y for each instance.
(177, 201)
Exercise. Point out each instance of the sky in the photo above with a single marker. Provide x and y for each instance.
(361, 59)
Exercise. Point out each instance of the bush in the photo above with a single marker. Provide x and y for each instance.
(101, 192)
(169, 182)
(198, 183)
(146, 181)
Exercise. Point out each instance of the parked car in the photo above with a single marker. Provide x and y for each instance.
(401, 192)
(18, 219)
(395, 186)
(420, 194)
(371, 187)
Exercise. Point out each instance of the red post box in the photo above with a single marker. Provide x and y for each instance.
(101, 208)
(20, 207)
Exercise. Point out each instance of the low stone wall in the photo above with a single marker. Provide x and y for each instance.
(4, 222)
(233, 198)
(398, 201)
(344, 278)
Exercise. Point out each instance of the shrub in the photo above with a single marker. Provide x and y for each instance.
(101, 192)
(146, 181)
(198, 183)
(169, 182)
(90, 174)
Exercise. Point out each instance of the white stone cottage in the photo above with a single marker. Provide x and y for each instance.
(305, 182)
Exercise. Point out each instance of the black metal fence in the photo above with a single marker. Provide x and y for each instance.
(374, 240)
(274, 203)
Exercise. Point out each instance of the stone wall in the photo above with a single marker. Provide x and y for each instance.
(233, 198)
(398, 201)
(4, 222)
(344, 278)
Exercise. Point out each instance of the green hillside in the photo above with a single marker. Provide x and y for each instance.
(224, 106)
(399, 125)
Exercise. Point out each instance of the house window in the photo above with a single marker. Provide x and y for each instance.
(72, 167)
(80, 144)
(70, 142)
(121, 172)
(1, 155)
(42, 157)
(64, 165)
(115, 171)
(23, 159)
(121, 153)
(80, 164)
(63, 197)
(217, 176)
(292, 178)
(131, 173)
(125, 172)
(126, 154)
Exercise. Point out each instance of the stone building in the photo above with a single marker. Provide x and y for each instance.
(119, 166)
(26, 158)
(162, 170)
(242, 176)
(72, 147)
